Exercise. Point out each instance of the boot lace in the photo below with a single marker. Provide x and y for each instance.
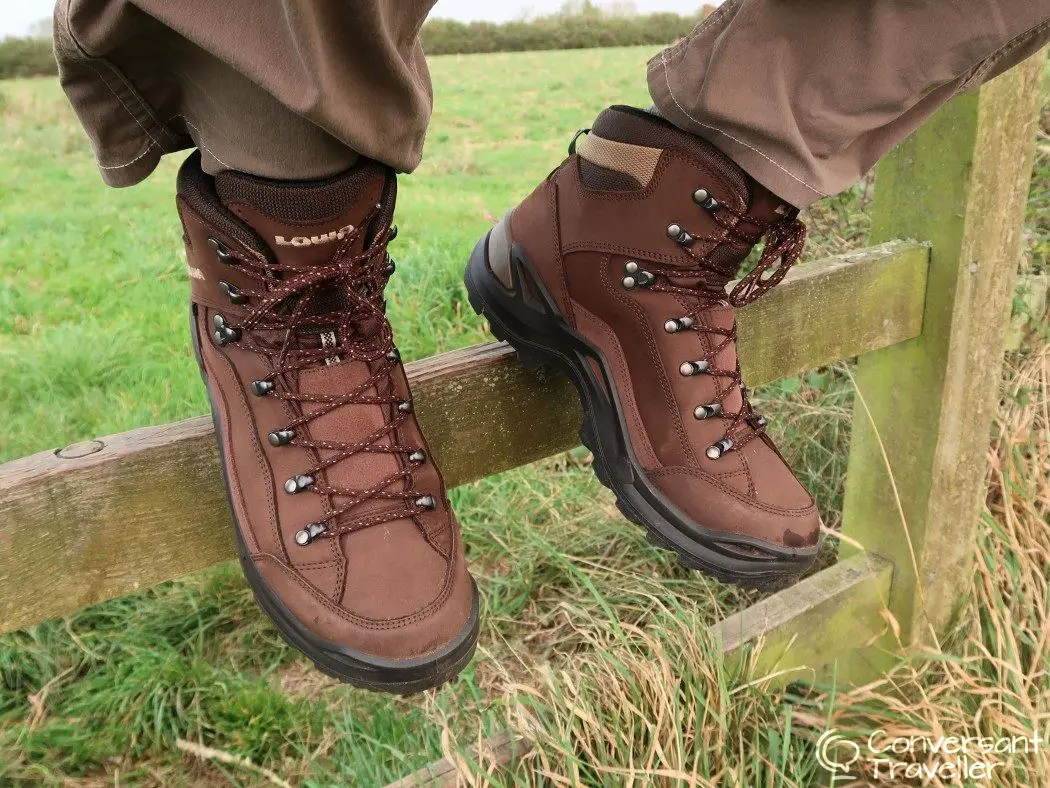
(293, 305)
(703, 285)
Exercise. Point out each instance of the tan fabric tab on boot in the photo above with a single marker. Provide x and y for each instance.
(635, 160)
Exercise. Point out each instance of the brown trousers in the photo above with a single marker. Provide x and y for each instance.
(806, 95)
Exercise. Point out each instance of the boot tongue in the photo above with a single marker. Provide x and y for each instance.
(637, 137)
(635, 127)
(303, 222)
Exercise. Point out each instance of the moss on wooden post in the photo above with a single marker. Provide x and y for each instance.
(925, 406)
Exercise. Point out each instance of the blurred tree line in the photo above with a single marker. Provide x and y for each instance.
(580, 24)
(26, 57)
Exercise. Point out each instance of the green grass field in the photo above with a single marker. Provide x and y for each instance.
(581, 615)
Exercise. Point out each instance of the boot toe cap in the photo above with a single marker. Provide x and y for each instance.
(412, 633)
(717, 506)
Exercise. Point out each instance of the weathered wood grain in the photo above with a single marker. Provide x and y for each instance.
(918, 461)
(149, 506)
(498, 753)
(792, 635)
(798, 631)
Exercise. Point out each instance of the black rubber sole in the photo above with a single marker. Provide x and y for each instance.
(526, 317)
(398, 677)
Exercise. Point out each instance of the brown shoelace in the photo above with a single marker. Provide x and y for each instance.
(354, 329)
(784, 242)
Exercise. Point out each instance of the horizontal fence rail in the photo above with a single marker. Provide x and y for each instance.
(108, 517)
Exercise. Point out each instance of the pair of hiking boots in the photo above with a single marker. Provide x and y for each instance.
(613, 271)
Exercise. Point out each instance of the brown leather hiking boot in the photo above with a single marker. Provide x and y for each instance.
(344, 530)
(614, 270)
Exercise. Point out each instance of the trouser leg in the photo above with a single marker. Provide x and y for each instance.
(287, 89)
(807, 95)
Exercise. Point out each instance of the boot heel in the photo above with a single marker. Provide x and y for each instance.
(497, 252)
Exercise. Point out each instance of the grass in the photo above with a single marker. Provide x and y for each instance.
(584, 621)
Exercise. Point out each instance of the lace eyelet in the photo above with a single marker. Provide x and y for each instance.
(260, 388)
(679, 235)
(417, 457)
(703, 198)
(690, 368)
(222, 252)
(298, 483)
(426, 502)
(676, 324)
(719, 448)
(224, 333)
(280, 437)
(635, 276)
(702, 412)
(233, 293)
(309, 533)
(224, 336)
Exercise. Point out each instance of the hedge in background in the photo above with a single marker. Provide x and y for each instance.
(587, 27)
(561, 31)
(26, 57)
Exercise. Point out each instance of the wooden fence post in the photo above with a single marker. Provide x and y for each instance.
(924, 407)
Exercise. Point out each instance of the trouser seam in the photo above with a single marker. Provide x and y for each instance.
(125, 95)
(149, 147)
(778, 165)
(982, 67)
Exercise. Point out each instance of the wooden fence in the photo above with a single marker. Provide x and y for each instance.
(927, 318)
